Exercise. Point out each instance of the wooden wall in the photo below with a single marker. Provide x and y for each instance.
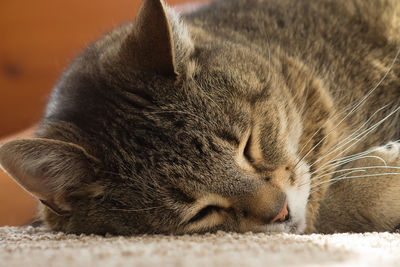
(37, 41)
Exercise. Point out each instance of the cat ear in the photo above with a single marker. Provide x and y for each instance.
(48, 169)
(150, 45)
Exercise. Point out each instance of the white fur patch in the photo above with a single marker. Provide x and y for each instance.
(390, 151)
(298, 196)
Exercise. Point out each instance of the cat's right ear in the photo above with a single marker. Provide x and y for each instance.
(48, 169)
(150, 46)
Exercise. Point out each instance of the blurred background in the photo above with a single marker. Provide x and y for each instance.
(37, 41)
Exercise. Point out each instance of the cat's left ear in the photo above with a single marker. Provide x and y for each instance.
(50, 170)
(150, 46)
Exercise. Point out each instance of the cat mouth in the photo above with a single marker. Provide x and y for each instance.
(286, 227)
(289, 226)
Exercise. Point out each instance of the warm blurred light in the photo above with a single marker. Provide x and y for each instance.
(38, 39)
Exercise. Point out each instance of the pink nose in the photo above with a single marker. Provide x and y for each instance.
(282, 215)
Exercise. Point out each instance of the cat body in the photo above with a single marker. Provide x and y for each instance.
(242, 116)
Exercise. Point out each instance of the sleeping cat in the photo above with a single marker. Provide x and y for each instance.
(246, 115)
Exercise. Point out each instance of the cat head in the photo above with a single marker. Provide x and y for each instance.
(160, 127)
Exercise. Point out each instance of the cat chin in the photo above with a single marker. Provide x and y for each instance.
(292, 226)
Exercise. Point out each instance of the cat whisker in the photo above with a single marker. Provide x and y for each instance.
(359, 128)
(333, 117)
(362, 101)
(332, 164)
(339, 161)
(352, 156)
(345, 141)
(352, 177)
(313, 186)
(328, 172)
(319, 129)
(358, 168)
(362, 134)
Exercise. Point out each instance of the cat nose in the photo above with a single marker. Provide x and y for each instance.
(283, 215)
(267, 207)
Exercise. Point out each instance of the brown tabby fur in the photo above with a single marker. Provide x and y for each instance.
(211, 123)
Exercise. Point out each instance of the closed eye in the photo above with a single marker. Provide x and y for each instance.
(205, 212)
(246, 151)
(245, 157)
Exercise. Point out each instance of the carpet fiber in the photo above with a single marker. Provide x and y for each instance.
(29, 246)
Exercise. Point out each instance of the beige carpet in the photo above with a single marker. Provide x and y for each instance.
(28, 246)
